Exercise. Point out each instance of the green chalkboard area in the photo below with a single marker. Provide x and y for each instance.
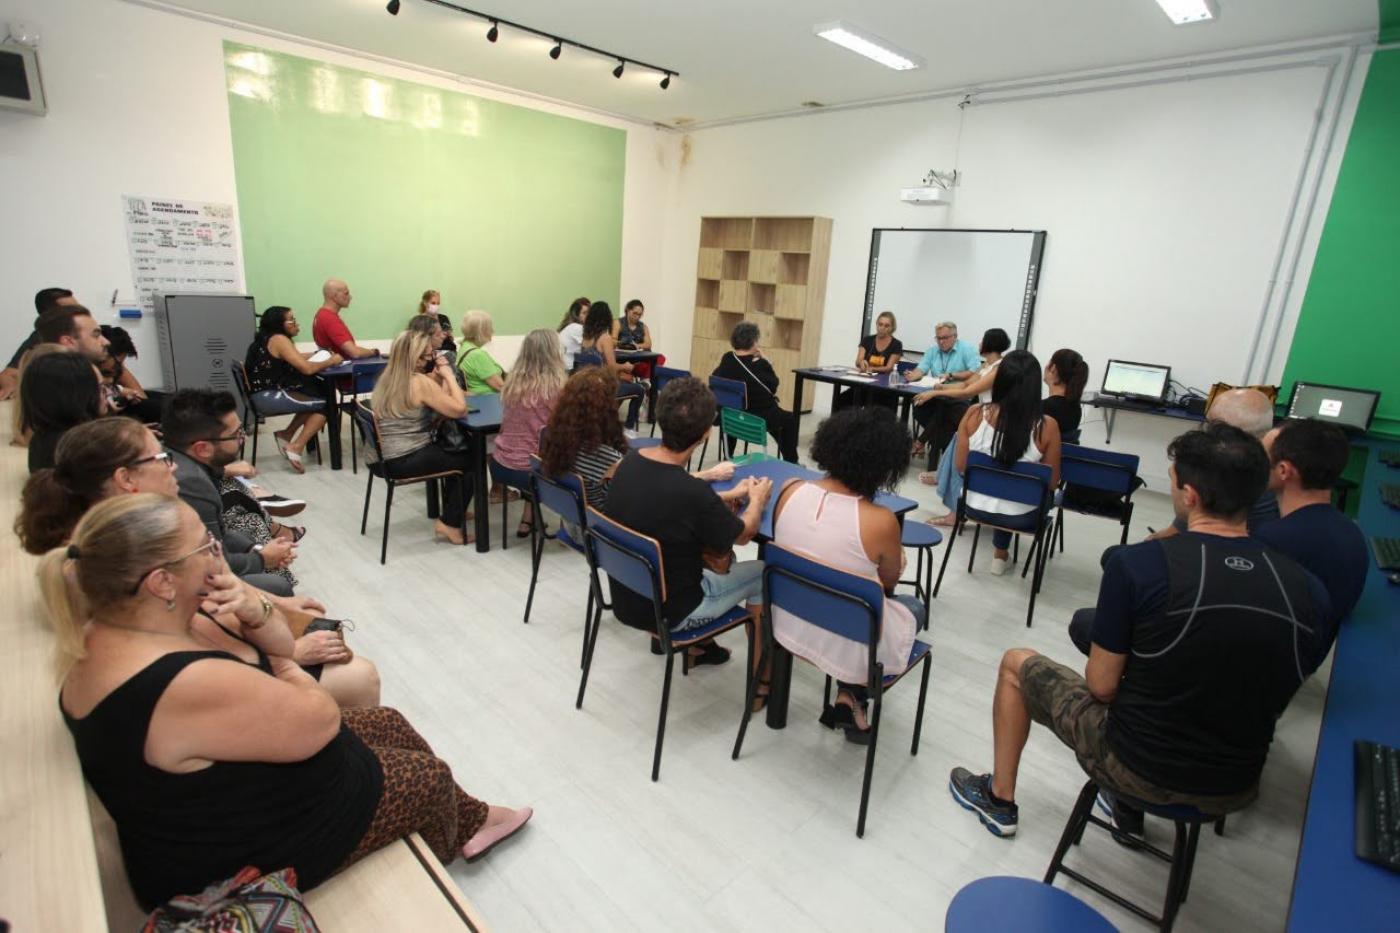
(398, 187)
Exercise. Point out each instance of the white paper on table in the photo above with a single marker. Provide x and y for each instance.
(928, 382)
(320, 356)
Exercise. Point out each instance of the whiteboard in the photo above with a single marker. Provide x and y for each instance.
(181, 246)
(978, 279)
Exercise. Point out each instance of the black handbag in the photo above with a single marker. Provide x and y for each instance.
(449, 436)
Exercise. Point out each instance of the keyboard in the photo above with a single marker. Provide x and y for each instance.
(1391, 457)
(1390, 495)
(1378, 804)
(1387, 551)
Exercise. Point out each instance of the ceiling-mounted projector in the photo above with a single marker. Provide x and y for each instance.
(926, 195)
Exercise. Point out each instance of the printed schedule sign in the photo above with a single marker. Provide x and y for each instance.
(181, 246)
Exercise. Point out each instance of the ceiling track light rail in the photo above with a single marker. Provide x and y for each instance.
(393, 7)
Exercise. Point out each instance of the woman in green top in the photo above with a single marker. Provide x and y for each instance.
(484, 374)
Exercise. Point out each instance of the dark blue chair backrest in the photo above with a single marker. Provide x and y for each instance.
(562, 495)
(630, 558)
(369, 431)
(1098, 469)
(660, 375)
(845, 604)
(1026, 483)
(903, 366)
(729, 393)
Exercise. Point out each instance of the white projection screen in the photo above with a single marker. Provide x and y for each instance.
(978, 279)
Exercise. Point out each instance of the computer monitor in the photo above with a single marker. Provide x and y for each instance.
(1348, 409)
(1143, 382)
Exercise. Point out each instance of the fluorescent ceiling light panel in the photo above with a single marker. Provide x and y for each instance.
(868, 44)
(1182, 12)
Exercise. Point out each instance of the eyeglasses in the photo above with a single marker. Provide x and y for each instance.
(161, 457)
(211, 544)
(942, 337)
(238, 435)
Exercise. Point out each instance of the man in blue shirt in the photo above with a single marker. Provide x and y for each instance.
(938, 419)
(1305, 460)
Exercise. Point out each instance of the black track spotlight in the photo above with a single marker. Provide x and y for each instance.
(666, 81)
(617, 72)
(494, 32)
(554, 52)
(393, 7)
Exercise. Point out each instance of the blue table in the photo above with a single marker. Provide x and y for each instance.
(482, 420)
(1332, 888)
(332, 376)
(838, 377)
(780, 471)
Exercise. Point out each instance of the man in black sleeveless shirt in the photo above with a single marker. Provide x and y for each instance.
(1199, 642)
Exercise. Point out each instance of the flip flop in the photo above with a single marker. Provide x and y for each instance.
(487, 839)
(292, 458)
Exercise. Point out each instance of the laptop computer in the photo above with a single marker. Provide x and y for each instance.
(1136, 382)
(1349, 409)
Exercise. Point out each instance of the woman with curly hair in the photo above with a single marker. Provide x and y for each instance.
(583, 435)
(836, 521)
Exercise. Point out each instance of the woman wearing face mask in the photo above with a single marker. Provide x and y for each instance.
(430, 305)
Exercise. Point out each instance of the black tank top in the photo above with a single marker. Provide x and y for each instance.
(1210, 673)
(182, 832)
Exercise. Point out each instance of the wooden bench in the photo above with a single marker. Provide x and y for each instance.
(60, 864)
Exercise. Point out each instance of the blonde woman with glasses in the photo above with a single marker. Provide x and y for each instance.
(212, 759)
(415, 391)
(527, 401)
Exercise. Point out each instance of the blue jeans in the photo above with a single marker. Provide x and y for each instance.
(634, 392)
(1001, 540)
(723, 591)
(517, 479)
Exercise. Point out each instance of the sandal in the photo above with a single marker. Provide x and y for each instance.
(841, 716)
(298, 531)
(928, 478)
(488, 838)
(710, 653)
(292, 457)
(943, 521)
(523, 529)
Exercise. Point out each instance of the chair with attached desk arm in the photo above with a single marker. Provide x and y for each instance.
(368, 426)
(256, 413)
(361, 382)
(634, 561)
(850, 606)
(1022, 482)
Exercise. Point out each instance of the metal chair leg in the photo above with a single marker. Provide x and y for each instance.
(919, 713)
(869, 765)
(661, 720)
(384, 543)
(590, 641)
(976, 536)
(536, 552)
(1176, 879)
(947, 552)
(1074, 829)
(369, 487)
(750, 688)
(255, 443)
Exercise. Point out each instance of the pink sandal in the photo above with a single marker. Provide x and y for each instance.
(488, 838)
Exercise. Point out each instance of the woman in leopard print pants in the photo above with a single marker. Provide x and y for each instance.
(420, 795)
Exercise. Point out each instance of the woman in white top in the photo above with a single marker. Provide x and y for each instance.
(834, 520)
(1010, 429)
(571, 331)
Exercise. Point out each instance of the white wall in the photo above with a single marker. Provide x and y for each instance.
(1164, 207)
(137, 106)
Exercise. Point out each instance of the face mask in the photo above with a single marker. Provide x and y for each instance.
(432, 309)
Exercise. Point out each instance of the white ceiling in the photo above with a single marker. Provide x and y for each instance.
(741, 58)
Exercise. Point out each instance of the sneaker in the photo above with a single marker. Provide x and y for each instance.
(974, 792)
(999, 565)
(1128, 829)
(281, 506)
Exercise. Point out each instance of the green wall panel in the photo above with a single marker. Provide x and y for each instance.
(1349, 328)
(398, 187)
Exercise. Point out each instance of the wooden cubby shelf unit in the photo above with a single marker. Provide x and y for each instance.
(770, 271)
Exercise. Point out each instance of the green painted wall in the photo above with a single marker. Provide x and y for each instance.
(1349, 327)
(398, 187)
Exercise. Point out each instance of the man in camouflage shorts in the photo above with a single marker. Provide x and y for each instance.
(1163, 713)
